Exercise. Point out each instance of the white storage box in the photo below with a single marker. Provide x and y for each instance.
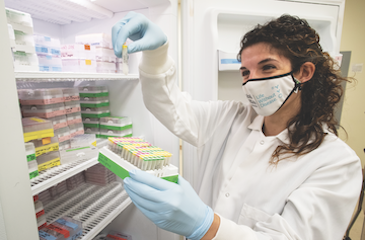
(25, 62)
(23, 42)
(20, 21)
(77, 65)
(49, 63)
(78, 51)
(97, 39)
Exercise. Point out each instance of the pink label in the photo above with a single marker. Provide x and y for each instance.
(73, 110)
(41, 101)
(59, 125)
(64, 138)
(80, 132)
(73, 121)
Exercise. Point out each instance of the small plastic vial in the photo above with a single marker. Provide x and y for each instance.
(125, 66)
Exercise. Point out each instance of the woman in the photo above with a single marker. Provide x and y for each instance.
(273, 169)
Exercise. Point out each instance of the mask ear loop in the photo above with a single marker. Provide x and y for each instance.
(298, 85)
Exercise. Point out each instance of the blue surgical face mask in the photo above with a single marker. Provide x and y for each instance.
(267, 95)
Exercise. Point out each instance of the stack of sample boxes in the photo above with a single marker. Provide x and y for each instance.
(105, 58)
(61, 107)
(94, 101)
(20, 26)
(48, 51)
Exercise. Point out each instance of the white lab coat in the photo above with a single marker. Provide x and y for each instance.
(311, 197)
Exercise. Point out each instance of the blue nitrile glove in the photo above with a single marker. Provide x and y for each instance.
(135, 26)
(172, 207)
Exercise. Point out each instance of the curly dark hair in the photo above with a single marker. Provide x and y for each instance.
(293, 38)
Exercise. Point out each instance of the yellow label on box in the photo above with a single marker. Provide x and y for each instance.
(38, 134)
(88, 62)
(45, 149)
(49, 164)
(37, 119)
(94, 144)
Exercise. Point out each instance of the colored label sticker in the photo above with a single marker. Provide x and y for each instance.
(31, 157)
(37, 119)
(49, 164)
(72, 225)
(62, 231)
(46, 236)
(40, 213)
(87, 47)
(88, 62)
(45, 149)
(46, 140)
(115, 128)
(76, 149)
(115, 237)
(33, 174)
(229, 61)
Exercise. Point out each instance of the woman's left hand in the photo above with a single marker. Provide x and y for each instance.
(172, 207)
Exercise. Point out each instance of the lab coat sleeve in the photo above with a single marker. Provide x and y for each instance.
(192, 121)
(321, 208)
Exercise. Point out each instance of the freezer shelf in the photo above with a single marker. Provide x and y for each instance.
(57, 174)
(95, 206)
(68, 76)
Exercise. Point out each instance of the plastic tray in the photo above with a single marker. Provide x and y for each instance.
(105, 133)
(30, 151)
(40, 96)
(71, 94)
(44, 111)
(36, 128)
(94, 101)
(76, 129)
(112, 235)
(45, 145)
(64, 145)
(63, 134)
(89, 130)
(73, 118)
(48, 160)
(72, 107)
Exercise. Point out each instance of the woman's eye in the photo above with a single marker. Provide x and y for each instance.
(245, 73)
(268, 67)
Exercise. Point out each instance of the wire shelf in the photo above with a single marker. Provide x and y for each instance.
(60, 11)
(66, 76)
(57, 174)
(95, 206)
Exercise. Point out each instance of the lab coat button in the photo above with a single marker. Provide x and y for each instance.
(262, 142)
(227, 194)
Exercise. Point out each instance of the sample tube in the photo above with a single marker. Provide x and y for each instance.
(125, 59)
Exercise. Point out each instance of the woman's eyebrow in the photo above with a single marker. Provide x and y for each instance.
(261, 62)
(267, 60)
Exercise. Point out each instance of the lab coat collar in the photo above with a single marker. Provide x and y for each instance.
(257, 123)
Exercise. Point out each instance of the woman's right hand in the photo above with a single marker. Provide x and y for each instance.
(145, 34)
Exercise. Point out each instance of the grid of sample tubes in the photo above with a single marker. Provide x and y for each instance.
(140, 153)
